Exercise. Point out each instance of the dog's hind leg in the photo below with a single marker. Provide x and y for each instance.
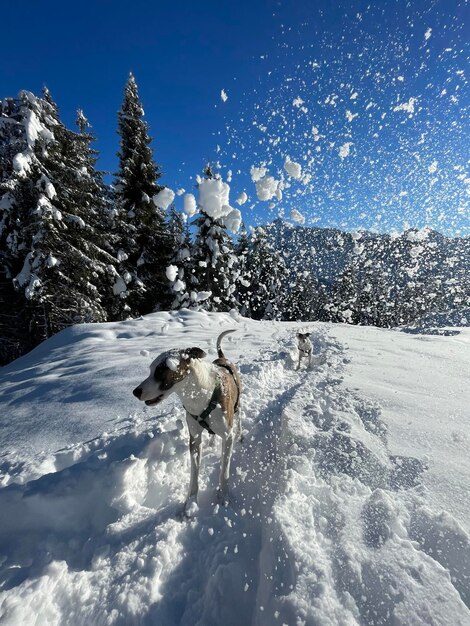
(238, 417)
(227, 447)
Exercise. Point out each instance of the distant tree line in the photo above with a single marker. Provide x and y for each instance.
(74, 249)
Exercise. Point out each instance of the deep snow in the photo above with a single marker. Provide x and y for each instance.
(349, 494)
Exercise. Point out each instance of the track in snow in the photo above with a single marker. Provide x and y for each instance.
(323, 527)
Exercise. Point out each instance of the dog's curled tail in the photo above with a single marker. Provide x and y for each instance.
(220, 352)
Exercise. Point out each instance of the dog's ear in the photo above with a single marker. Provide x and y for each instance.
(308, 334)
(195, 353)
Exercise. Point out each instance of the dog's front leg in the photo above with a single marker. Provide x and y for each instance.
(195, 441)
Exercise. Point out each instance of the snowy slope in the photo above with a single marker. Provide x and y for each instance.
(348, 495)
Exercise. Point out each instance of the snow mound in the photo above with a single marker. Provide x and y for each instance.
(324, 525)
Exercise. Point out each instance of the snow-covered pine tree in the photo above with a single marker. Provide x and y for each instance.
(344, 304)
(213, 261)
(92, 195)
(50, 203)
(242, 282)
(144, 247)
(304, 298)
(266, 273)
(178, 230)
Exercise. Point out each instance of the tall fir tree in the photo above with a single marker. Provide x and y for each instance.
(178, 230)
(144, 246)
(242, 281)
(267, 277)
(52, 254)
(213, 261)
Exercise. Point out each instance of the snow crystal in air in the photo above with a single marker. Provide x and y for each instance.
(257, 173)
(408, 107)
(200, 296)
(433, 167)
(214, 197)
(344, 150)
(214, 201)
(266, 188)
(296, 216)
(164, 198)
(171, 272)
(178, 285)
(233, 220)
(242, 198)
(190, 206)
(223, 95)
(427, 34)
(350, 116)
(293, 169)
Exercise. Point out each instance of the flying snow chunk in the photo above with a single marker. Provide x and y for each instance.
(200, 296)
(214, 197)
(179, 285)
(214, 201)
(180, 191)
(257, 173)
(164, 198)
(296, 216)
(242, 198)
(171, 272)
(433, 167)
(293, 169)
(266, 188)
(189, 206)
(427, 34)
(345, 149)
(223, 95)
(350, 116)
(297, 102)
(408, 107)
(233, 220)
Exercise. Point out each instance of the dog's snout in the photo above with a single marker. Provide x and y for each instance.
(137, 392)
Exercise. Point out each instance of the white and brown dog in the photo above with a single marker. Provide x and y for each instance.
(304, 346)
(210, 393)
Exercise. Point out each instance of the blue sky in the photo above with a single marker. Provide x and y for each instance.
(388, 80)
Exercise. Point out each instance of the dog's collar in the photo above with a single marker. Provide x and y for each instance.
(201, 419)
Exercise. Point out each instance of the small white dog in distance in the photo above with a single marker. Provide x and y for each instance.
(210, 393)
(304, 346)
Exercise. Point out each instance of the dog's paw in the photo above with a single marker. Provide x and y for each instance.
(222, 497)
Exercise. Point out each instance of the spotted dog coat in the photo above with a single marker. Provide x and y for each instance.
(210, 393)
(305, 348)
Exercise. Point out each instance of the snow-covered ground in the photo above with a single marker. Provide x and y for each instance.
(349, 500)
